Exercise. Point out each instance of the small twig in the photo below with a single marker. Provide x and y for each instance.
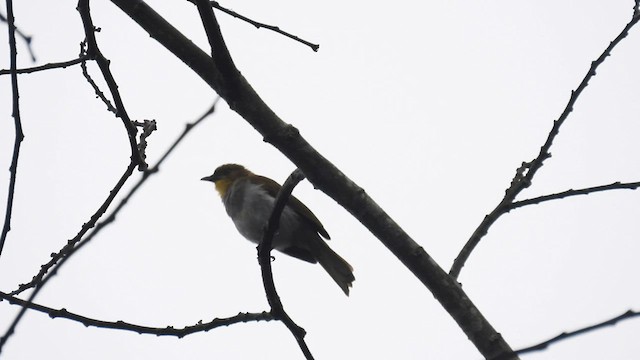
(49, 66)
(68, 250)
(96, 89)
(19, 135)
(524, 174)
(148, 127)
(565, 335)
(27, 39)
(571, 192)
(264, 258)
(259, 25)
(140, 329)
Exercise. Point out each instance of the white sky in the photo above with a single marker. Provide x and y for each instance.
(430, 106)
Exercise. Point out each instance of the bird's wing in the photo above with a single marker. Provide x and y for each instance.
(272, 188)
(300, 253)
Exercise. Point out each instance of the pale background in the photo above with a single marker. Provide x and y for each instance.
(430, 106)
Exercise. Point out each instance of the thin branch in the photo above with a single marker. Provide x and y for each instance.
(140, 329)
(571, 192)
(49, 66)
(565, 335)
(264, 258)
(259, 25)
(19, 135)
(94, 53)
(27, 39)
(324, 175)
(96, 89)
(525, 174)
(68, 250)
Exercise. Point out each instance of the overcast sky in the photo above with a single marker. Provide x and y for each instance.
(429, 106)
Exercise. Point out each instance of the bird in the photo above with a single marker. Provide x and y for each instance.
(249, 199)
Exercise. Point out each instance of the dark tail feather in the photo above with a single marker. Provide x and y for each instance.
(336, 266)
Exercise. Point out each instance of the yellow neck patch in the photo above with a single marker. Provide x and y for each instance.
(222, 186)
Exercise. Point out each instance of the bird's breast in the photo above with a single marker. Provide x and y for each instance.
(250, 206)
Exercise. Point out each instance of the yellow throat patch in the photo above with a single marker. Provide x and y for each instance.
(222, 186)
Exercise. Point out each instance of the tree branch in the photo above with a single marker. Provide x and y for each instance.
(264, 258)
(571, 192)
(93, 52)
(99, 93)
(242, 98)
(19, 135)
(565, 335)
(49, 66)
(140, 329)
(259, 25)
(27, 39)
(524, 174)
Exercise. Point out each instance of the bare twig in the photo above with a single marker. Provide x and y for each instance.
(571, 192)
(140, 329)
(49, 66)
(19, 135)
(565, 335)
(27, 39)
(264, 258)
(93, 52)
(525, 174)
(259, 25)
(68, 250)
(96, 89)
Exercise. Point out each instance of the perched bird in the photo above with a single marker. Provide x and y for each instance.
(249, 199)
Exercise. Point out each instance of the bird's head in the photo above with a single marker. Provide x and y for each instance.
(225, 175)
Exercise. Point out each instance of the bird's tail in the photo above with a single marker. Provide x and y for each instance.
(336, 266)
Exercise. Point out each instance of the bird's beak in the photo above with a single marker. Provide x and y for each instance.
(208, 178)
